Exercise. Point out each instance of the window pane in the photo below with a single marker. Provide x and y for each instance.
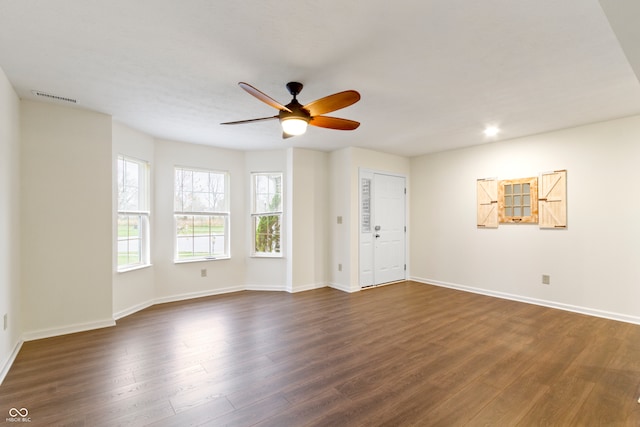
(201, 182)
(129, 185)
(201, 236)
(201, 225)
(185, 247)
(200, 202)
(131, 235)
(267, 233)
(508, 211)
(507, 189)
(200, 191)
(516, 188)
(517, 211)
(516, 201)
(202, 246)
(508, 201)
(526, 211)
(526, 188)
(184, 225)
(267, 193)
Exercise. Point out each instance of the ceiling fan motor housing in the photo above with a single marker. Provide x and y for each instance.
(297, 111)
(294, 88)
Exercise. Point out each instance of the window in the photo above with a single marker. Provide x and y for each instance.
(133, 213)
(201, 210)
(518, 200)
(266, 213)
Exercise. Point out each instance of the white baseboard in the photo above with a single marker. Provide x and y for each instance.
(545, 303)
(307, 287)
(343, 288)
(134, 309)
(192, 295)
(12, 357)
(269, 288)
(70, 329)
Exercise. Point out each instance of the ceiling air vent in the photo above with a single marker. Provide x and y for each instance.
(54, 97)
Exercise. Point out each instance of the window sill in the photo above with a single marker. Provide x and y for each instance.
(189, 261)
(268, 256)
(134, 268)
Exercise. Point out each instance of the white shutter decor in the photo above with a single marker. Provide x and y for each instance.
(487, 190)
(552, 200)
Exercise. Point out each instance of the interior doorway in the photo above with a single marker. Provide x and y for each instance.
(382, 228)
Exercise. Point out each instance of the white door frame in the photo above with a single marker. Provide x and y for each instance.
(366, 277)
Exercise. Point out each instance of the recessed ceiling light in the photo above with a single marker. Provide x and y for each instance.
(491, 131)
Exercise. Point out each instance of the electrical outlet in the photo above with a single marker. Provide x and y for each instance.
(546, 279)
(339, 267)
(203, 272)
(6, 321)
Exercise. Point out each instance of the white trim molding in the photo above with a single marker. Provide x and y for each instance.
(193, 295)
(70, 329)
(545, 303)
(12, 357)
(344, 288)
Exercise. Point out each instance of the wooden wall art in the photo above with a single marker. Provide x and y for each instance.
(534, 200)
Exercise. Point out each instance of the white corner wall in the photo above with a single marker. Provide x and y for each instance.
(341, 245)
(66, 219)
(593, 264)
(307, 209)
(132, 290)
(9, 224)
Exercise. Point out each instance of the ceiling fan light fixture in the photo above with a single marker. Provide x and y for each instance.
(294, 125)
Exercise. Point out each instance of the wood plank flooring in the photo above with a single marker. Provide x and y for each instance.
(405, 354)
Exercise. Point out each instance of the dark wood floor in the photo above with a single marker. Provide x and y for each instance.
(405, 354)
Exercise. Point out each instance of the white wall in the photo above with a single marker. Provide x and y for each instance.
(132, 290)
(264, 273)
(183, 280)
(594, 263)
(9, 223)
(307, 201)
(340, 234)
(66, 219)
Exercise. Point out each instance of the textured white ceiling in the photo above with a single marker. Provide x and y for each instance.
(432, 74)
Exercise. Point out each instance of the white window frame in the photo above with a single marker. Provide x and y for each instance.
(133, 206)
(205, 207)
(258, 212)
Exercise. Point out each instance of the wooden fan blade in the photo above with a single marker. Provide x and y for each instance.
(333, 123)
(332, 102)
(263, 97)
(239, 122)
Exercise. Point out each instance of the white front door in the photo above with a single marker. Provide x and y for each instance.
(383, 231)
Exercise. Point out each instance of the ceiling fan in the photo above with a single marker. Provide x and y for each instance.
(294, 117)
